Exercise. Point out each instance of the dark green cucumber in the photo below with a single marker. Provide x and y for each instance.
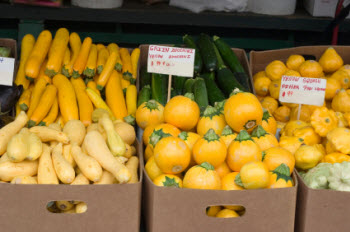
(232, 61)
(220, 62)
(210, 75)
(198, 63)
(178, 84)
(173, 93)
(188, 86)
(227, 81)
(214, 92)
(159, 88)
(145, 77)
(144, 95)
(206, 47)
(200, 93)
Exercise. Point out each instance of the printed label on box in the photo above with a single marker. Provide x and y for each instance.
(170, 60)
(302, 90)
(7, 66)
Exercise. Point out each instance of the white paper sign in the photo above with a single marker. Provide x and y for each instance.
(170, 60)
(7, 66)
(302, 90)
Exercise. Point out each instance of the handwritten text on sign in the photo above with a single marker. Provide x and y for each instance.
(170, 60)
(302, 90)
(7, 66)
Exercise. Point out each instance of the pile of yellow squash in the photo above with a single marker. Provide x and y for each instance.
(62, 78)
(322, 133)
(228, 147)
(72, 155)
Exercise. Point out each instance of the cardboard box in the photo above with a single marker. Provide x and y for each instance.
(174, 209)
(317, 210)
(321, 8)
(242, 57)
(114, 207)
(11, 43)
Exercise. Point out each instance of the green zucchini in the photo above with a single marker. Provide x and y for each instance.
(227, 81)
(144, 95)
(188, 86)
(178, 84)
(198, 63)
(210, 75)
(172, 93)
(220, 62)
(214, 92)
(232, 61)
(160, 88)
(145, 77)
(200, 93)
(206, 47)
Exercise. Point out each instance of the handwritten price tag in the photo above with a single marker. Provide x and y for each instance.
(170, 60)
(302, 90)
(7, 66)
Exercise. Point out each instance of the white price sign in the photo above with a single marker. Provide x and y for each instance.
(170, 60)
(302, 90)
(7, 66)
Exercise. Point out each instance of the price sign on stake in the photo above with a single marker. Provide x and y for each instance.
(302, 90)
(170, 61)
(6, 70)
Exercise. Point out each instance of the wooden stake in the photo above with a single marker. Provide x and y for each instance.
(299, 109)
(169, 87)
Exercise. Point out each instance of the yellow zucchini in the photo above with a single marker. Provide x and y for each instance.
(46, 100)
(87, 164)
(24, 180)
(38, 90)
(135, 56)
(106, 178)
(80, 179)
(98, 101)
(115, 97)
(103, 55)
(57, 50)
(46, 171)
(91, 63)
(112, 47)
(9, 170)
(107, 71)
(24, 100)
(42, 74)
(92, 85)
(115, 142)
(52, 115)
(127, 66)
(97, 148)
(132, 165)
(66, 57)
(47, 134)
(38, 54)
(18, 109)
(81, 207)
(66, 98)
(125, 84)
(68, 155)
(75, 130)
(131, 98)
(82, 58)
(84, 102)
(8, 131)
(27, 45)
(75, 45)
(100, 46)
(64, 170)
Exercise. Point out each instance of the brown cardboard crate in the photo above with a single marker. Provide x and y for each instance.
(175, 209)
(11, 43)
(317, 210)
(114, 207)
(240, 53)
